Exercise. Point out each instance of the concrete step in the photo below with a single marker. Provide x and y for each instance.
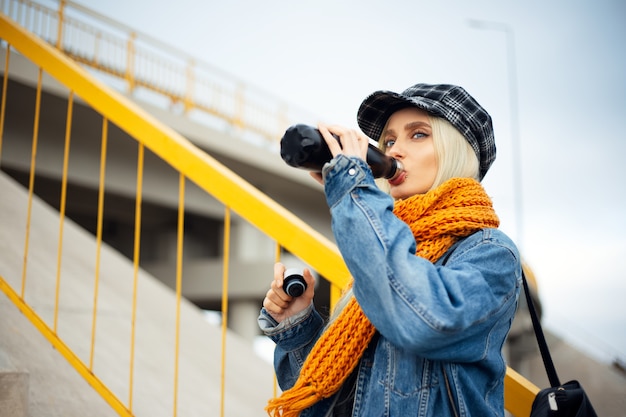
(14, 385)
(14, 393)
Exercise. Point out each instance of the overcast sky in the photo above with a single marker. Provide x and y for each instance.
(327, 55)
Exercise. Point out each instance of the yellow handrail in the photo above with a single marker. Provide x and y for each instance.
(519, 393)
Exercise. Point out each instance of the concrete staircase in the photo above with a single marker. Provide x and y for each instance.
(36, 381)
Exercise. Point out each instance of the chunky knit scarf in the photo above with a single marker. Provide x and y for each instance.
(455, 209)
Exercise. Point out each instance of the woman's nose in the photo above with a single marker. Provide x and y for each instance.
(395, 152)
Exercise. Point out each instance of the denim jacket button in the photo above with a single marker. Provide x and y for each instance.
(351, 171)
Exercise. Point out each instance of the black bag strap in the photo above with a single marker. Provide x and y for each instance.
(541, 340)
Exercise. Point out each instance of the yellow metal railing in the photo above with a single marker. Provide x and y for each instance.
(191, 164)
(238, 196)
(147, 65)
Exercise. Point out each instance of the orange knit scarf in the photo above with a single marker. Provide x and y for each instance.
(456, 209)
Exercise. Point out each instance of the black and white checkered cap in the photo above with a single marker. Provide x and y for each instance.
(450, 102)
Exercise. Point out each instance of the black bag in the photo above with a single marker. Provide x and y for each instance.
(560, 400)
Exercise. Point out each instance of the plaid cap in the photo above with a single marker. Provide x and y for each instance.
(449, 102)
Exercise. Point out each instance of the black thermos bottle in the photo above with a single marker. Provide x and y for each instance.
(303, 146)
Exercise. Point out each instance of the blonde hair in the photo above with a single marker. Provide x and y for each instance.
(455, 156)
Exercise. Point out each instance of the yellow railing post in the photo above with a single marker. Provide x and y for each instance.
(238, 119)
(31, 180)
(136, 254)
(5, 83)
(130, 62)
(103, 155)
(190, 81)
(61, 21)
(225, 275)
(66, 157)
(179, 281)
(96, 49)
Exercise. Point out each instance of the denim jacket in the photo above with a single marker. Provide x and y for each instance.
(440, 329)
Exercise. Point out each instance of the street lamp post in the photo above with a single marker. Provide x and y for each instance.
(513, 106)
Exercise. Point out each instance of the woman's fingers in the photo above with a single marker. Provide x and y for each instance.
(310, 284)
(333, 144)
(281, 305)
(351, 142)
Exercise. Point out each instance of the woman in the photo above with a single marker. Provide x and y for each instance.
(435, 283)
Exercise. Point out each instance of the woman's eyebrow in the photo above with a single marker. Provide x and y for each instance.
(413, 125)
(408, 126)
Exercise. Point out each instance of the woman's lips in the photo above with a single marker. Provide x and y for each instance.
(398, 180)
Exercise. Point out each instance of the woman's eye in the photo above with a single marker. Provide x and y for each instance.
(419, 135)
(389, 143)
